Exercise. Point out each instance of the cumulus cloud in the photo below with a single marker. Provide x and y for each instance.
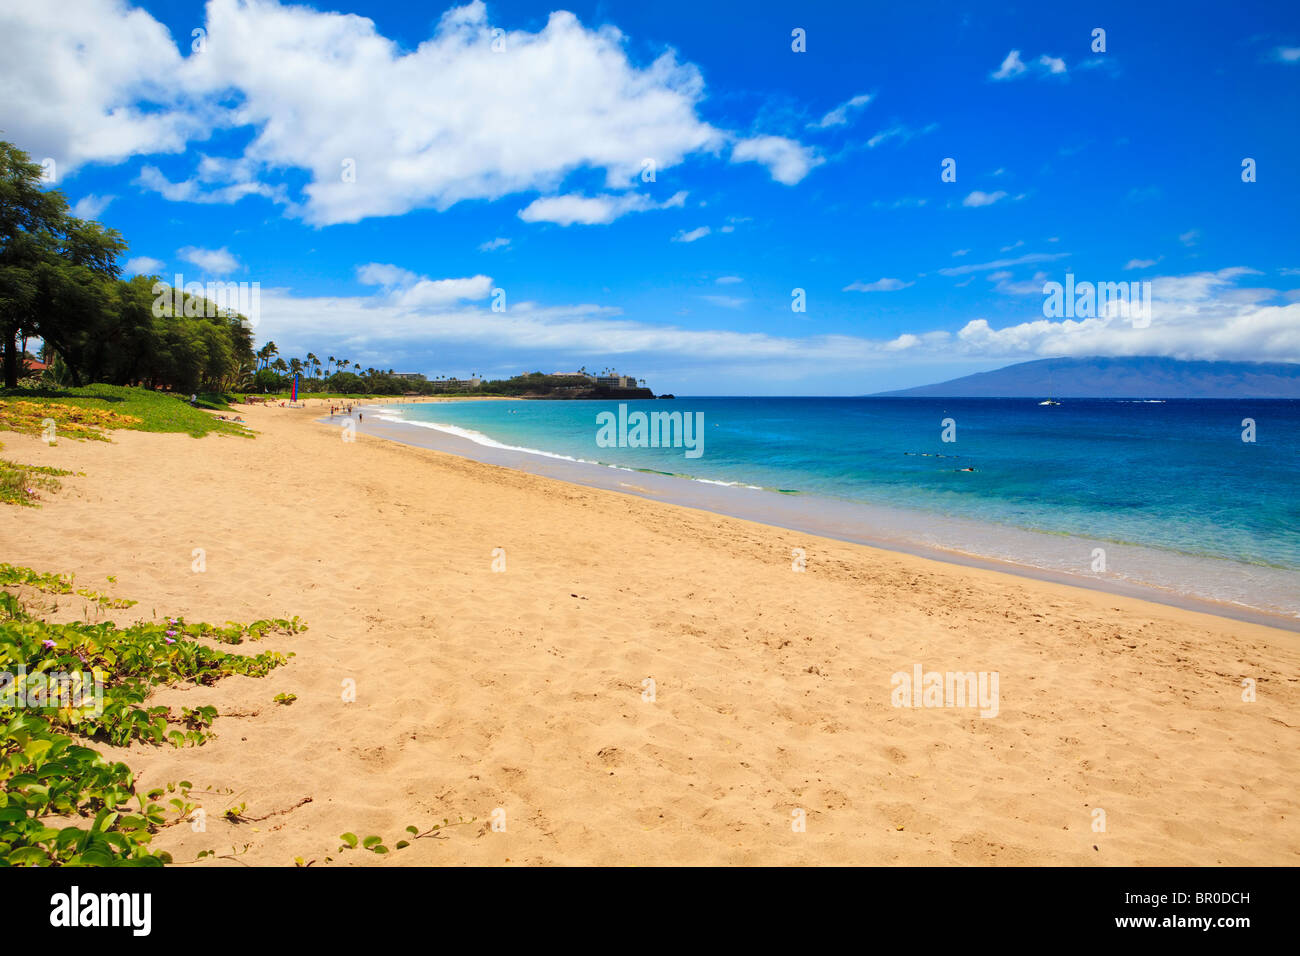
(214, 261)
(1208, 315)
(93, 80)
(787, 160)
(593, 210)
(880, 285)
(327, 95)
(408, 291)
(217, 179)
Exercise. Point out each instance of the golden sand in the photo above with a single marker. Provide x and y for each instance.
(524, 690)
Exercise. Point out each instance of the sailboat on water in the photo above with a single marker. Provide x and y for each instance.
(1050, 401)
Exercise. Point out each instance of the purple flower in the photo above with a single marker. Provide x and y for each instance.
(171, 633)
(49, 644)
(170, 641)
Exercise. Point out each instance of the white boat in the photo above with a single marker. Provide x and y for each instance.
(1050, 401)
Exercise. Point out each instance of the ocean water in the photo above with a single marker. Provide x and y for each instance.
(1171, 486)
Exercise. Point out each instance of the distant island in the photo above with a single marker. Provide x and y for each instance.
(1136, 377)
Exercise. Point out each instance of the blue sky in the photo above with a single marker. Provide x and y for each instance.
(520, 168)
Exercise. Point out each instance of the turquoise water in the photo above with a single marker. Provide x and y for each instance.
(1173, 476)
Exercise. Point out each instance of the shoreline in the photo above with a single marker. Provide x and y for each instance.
(520, 690)
(814, 515)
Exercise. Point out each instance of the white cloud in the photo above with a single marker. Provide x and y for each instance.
(1203, 315)
(726, 301)
(978, 198)
(406, 290)
(684, 236)
(377, 127)
(492, 244)
(205, 187)
(1189, 237)
(1011, 66)
(593, 210)
(880, 285)
(143, 266)
(215, 261)
(962, 252)
(1287, 54)
(899, 132)
(1199, 316)
(728, 280)
(92, 80)
(785, 159)
(840, 115)
(89, 207)
(1015, 245)
(1141, 263)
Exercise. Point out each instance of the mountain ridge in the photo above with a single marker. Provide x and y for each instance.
(1125, 377)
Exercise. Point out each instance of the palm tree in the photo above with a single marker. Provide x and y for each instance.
(266, 354)
(328, 362)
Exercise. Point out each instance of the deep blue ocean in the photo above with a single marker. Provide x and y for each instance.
(1172, 475)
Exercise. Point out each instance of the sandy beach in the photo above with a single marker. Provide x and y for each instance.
(629, 682)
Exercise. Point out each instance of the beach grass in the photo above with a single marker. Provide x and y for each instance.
(21, 484)
(62, 802)
(92, 411)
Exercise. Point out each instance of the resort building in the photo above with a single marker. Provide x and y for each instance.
(617, 381)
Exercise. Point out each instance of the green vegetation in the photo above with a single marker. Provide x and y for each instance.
(375, 844)
(22, 484)
(275, 375)
(46, 774)
(93, 410)
(60, 282)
